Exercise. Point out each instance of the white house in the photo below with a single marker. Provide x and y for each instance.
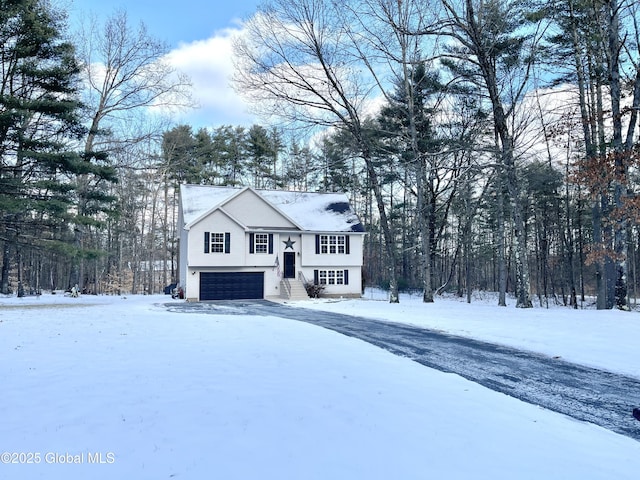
(242, 243)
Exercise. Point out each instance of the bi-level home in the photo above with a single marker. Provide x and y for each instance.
(243, 243)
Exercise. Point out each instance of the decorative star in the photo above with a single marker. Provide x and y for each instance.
(288, 243)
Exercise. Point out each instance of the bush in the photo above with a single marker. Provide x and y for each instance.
(314, 291)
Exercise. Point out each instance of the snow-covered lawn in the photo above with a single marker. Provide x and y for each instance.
(159, 395)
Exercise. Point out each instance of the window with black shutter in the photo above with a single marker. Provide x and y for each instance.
(261, 243)
(331, 277)
(217, 242)
(333, 244)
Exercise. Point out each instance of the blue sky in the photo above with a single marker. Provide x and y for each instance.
(175, 21)
(198, 33)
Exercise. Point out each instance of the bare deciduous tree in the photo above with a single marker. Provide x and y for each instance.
(126, 70)
(296, 59)
(126, 73)
(494, 54)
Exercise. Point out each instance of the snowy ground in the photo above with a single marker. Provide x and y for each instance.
(127, 390)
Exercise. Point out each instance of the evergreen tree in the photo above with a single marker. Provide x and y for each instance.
(38, 124)
(260, 155)
(230, 145)
(206, 155)
(407, 123)
(179, 152)
(301, 171)
(337, 152)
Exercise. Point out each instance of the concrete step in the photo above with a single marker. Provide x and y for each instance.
(292, 289)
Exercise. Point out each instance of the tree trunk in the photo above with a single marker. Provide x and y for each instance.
(620, 227)
(389, 238)
(424, 226)
(501, 247)
(20, 275)
(486, 61)
(568, 243)
(6, 268)
(508, 170)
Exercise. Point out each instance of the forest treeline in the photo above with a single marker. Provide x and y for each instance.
(486, 145)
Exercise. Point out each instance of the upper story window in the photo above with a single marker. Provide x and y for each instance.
(332, 244)
(261, 243)
(217, 242)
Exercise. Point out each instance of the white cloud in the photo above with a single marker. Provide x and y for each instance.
(209, 64)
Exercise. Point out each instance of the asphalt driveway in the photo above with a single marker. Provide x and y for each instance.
(603, 398)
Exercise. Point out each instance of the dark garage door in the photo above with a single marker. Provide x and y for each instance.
(231, 285)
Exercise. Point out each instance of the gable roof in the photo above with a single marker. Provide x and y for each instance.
(257, 215)
(315, 212)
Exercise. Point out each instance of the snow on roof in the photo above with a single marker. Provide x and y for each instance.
(196, 200)
(318, 212)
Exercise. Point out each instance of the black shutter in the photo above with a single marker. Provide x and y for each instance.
(270, 243)
(346, 276)
(316, 277)
(317, 245)
(251, 237)
(207, 242)
(227, 242)
(346, 245)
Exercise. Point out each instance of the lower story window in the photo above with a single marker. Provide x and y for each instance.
(331, 277)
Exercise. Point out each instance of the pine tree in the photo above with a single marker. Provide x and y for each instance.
(410, 112)
(38, 125)
(180, 162)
